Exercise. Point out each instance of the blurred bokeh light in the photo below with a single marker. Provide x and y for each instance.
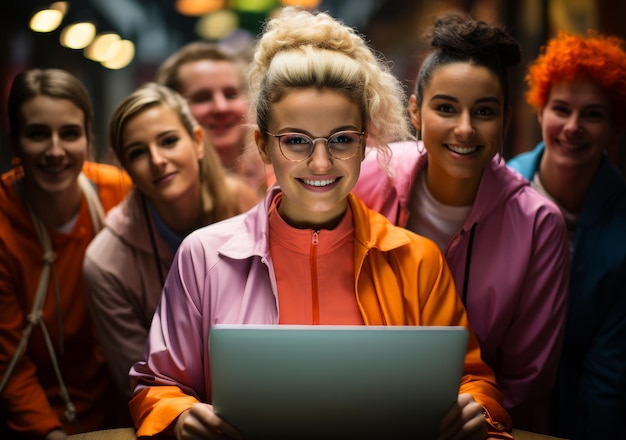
(217, 25)
(304, 3)
(78, 35)
(198, 7)
(121, 53)
(46, 20)
(102, 48)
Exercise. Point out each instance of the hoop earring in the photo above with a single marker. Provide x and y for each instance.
(420, 150)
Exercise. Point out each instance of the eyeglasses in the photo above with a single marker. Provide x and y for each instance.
(297, 147)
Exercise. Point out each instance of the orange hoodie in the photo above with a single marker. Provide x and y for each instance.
(31, 399)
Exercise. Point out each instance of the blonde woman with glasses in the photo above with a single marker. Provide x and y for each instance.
(310, 252)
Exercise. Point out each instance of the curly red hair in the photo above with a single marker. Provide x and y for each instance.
(598, 58)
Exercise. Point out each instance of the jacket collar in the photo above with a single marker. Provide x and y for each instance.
(373, 230)
(128, 222)
(251, 235)
(497, 184)
(607, 185)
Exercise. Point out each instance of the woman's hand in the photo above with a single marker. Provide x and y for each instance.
(200, 422)
(465, 420)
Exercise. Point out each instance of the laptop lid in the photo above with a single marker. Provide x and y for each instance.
(330, 382)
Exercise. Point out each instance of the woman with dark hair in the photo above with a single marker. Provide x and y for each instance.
(179, 186)
(55, 381)
(577, 85)
(505, 243)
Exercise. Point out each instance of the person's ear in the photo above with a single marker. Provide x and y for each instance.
(198, 136)
(414, 113)
(261, 144)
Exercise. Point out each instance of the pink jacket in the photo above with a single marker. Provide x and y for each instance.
(123, 285)
(224, 273)
(515, 291)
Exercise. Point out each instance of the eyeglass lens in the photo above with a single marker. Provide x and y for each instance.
(298, 146)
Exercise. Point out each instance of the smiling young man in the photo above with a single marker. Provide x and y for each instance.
(212, 80)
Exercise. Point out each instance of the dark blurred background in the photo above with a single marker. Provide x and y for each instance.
(157, 28)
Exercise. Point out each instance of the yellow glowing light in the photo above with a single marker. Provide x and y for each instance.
(46, 20)
(198, 7)
(303, 3)
(124, 54)
(102, 47)
(78, 35)
(217, 25)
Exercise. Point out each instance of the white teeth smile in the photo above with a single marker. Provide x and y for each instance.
(462, 150)
(319, 182)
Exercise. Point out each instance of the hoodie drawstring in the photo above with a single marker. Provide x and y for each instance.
(155, 249)
(35, 317)
(468, 261)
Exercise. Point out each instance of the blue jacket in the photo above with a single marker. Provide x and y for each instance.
(591, 387)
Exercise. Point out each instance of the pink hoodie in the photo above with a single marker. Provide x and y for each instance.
(515, 292)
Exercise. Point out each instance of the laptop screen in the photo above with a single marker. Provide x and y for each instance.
(301, 382)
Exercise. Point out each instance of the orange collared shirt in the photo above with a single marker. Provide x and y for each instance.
(314, 272)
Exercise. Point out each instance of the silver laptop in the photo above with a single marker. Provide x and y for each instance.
(335, 382)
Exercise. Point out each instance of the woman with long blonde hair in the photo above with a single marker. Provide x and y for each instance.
(179, 186)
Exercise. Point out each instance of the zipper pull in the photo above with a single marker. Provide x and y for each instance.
(315, 237)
